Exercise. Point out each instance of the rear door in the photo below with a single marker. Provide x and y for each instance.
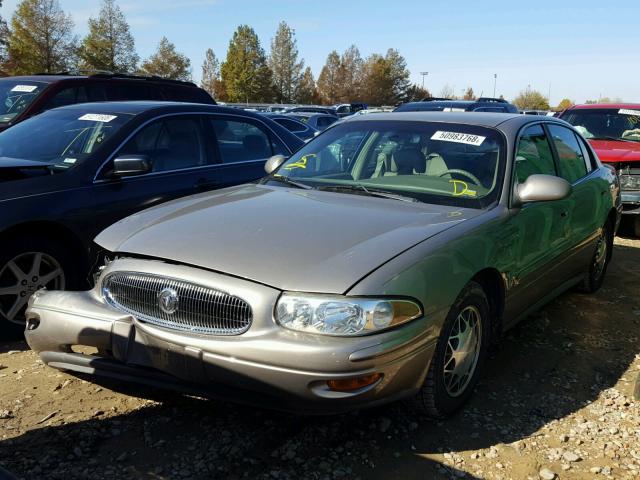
(584, 204)
(183, 163)
(243, 145)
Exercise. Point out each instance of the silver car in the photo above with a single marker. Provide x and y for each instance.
(379, 262)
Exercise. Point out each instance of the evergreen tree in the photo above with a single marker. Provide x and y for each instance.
(41, 38)
(284, 64)
(307, 93)
(329, 79)
(399, 76)
(245, 73)
(109, 44)
(167, 62)
(350, 75)
(211, 80)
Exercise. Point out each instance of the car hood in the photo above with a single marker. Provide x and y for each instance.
(611, 151)
(290, 239)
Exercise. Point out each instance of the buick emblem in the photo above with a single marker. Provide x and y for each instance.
(168, 300)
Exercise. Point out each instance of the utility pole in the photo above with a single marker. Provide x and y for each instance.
(424, 74)
(495, 80)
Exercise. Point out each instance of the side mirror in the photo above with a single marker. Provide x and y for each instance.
(542, 188)
(273, 163)
(128, 165)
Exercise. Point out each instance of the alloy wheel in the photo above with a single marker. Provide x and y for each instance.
(600, 257)
(22, 276)
(462, 351)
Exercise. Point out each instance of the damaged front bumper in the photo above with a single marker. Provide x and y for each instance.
(267, 365)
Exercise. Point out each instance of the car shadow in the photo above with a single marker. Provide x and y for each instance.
(548, 367)
(13, 346)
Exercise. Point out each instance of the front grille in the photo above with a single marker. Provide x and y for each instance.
(187, 306)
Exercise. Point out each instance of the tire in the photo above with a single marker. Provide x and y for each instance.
(599, 261)
(442, 392)
(20, 276)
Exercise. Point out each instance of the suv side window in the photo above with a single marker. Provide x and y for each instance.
(533, 155)
(171, 143)
(67, 96)
(571, 161)
(242, 141)
(290, 125)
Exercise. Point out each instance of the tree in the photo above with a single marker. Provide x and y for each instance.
(564, 104)
(109, 44)
(469, 94)
(4, 41)
(416, 93)
(211, 80)
(307, 93)
(399, 76)
(531, 100)
(284, 64)
(328, 81)
(350, 75)
(447, 92)
(41, 38)
(245, 72)
(167, 62)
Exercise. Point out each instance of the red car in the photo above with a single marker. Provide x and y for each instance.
(613, 130)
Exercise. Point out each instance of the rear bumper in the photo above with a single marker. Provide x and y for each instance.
(282, 370)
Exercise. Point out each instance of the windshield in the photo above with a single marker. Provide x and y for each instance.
(606, 123)
(16, 95)
(433, 162)
(60, 137)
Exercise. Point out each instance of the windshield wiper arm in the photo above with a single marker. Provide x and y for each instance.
(370, 192)
(288, 181)
(615, 139)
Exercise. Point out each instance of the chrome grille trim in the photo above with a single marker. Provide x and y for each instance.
(200, 309)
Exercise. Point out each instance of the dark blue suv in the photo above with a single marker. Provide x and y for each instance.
(482, 104)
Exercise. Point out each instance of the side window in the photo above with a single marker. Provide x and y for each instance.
(533, 155)
(290, 125)
(324, 122)
(67, 96)
(241, 141)
(172, 143)
(591, 163)
(571, 161)
(96, 92)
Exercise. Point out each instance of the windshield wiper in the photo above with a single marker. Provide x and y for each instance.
(615, 139)
(368, 191)
(288, 181)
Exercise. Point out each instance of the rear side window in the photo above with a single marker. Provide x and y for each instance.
(290, 125)
(119, 90)
(241, 141)
(68, 96)
(571, 161)
(534, 154)
(324, 122)
(185, 94)
(172, 143)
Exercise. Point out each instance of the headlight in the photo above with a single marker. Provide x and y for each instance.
(630, 182)
(340, 315)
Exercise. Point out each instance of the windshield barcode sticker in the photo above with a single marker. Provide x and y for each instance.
(70, 160)
(97, 117)
(626, 111)
(458, 138)
(24, 88)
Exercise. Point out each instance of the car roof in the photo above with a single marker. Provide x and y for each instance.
(139, 106)
(58, 77)
(481, 119)
(605, 105)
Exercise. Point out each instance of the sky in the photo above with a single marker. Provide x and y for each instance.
(581, 50)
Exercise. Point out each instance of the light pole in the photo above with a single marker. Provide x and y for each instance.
(424, 74)
(495, 80)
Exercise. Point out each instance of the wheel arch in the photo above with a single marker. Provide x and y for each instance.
(493, 285)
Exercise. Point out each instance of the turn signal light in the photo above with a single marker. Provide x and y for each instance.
(352, 384)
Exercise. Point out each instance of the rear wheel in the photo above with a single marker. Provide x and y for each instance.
(599, 261)
(460, 354)
(27, 265)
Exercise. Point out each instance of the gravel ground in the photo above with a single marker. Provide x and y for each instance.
(556, 401)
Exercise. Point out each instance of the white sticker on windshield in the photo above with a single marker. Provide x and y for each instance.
(458, 138)
(70, 161)
(24, 88)
(625, 111)
(97, 117)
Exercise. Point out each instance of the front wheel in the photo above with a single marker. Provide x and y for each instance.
(460, 354)
(27, 265)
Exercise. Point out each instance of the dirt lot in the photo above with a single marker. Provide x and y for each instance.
(555, 401)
